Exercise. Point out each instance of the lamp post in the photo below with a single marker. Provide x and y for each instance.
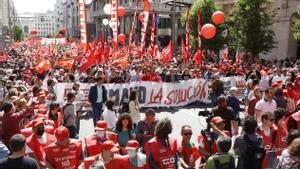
(105, 23)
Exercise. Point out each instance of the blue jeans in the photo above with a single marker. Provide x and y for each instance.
(97, 112)
(214, 99)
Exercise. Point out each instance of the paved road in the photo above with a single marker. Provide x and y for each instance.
(179, 116)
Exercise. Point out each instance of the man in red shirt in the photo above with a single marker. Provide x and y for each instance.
(11, 120)
(136, 160)
(108, 156)
(36, 143)
(257, 96)
(65, 152)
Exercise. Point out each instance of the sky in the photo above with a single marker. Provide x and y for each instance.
(34, 5)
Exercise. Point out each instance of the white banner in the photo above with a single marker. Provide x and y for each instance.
(150, 94)
(153, 94)
(48, 41)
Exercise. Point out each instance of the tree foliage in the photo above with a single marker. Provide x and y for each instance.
(296, 25)
(208, 7)
(18, 33)
(250, 26)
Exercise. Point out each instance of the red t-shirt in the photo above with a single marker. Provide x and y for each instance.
(62, 157)
(11, 124)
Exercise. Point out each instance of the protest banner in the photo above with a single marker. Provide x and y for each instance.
(49, 41)
(151, 94)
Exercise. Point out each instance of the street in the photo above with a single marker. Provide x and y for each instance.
(187, 115)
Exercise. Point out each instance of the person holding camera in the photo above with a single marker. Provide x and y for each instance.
(207, 138)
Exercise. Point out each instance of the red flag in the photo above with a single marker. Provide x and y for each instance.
(153, 34)
(88, 60)
(4, 57)
(106, 52)
(43, 65)
(114, 21)
(133, 25)
(144, 26)
(65, 63)
(167, 53)
(187, 35)
(238, 58)
(198, 55)
(226, 54)
(183, 50)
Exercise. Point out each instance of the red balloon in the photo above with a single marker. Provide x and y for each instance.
(208, 31)
(218, 17)
(33, 32)
(121, 38)
(121, 11)
(141, 17)
(60, 36)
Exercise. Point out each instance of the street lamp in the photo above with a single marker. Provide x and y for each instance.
(105, 22)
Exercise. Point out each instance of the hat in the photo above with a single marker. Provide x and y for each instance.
(38, 122)
(216, 120)
(109, 146)
(274, 85)
(150, 111)
(101, 125)
(233, 89)
(61, 133)
(132, 145)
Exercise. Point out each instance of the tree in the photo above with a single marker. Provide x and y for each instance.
(208, 7)
(250, 26)
(296, 25)
(18, 33)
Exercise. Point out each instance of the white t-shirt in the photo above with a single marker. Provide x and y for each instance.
(265, 106)
(110, 118)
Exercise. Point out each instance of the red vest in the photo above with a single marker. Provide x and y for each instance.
(164, 157)
(62, 157)
(93, 143)
(28, 131)
(59, 120)
(212, 149)
(267, 142)
(296, 117)
(118, 162)
(280, 141)
(37, 147)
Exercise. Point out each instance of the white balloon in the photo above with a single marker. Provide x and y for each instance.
(107, 8)
(88, 1)
(105, 21)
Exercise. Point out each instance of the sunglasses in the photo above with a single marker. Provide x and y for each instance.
(187, 134)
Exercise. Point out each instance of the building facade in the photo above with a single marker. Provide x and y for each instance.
(164, 23)
(8, 13)
(43, 23)
(287, 46)
(67, 16)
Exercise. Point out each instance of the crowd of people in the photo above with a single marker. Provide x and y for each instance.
(260, 131)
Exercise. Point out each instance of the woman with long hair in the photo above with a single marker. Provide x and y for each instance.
(134, 108)
(124, 131)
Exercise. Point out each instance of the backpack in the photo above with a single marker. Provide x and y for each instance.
(65, 118)
(255, 154)
(228, 165)
(125, 106)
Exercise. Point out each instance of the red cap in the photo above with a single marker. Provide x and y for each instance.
(101, 125)
(61, 133)
(109, 146)
(274, 85)
(132, 145)
(217, 120)
(38, 122)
